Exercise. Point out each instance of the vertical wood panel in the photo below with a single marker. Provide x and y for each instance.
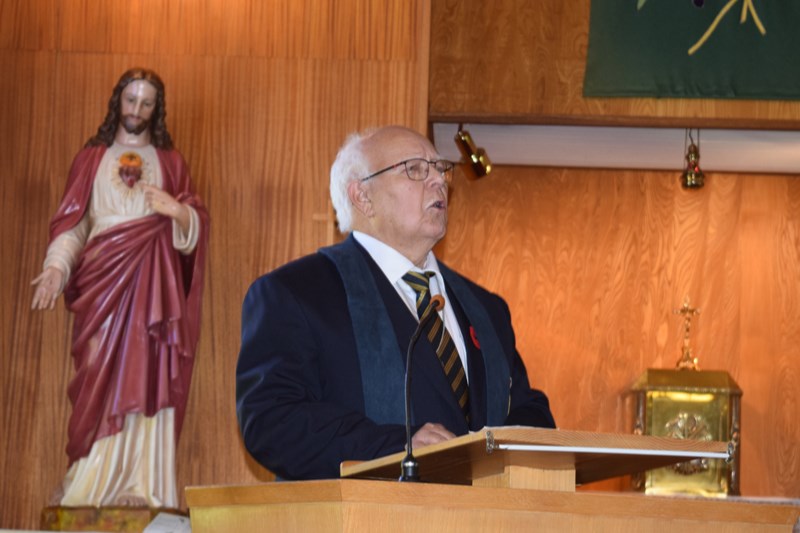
(28, 25)
(300, 29)
(259, 97)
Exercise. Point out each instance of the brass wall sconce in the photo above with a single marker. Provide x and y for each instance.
(692, 177)
(477, 160)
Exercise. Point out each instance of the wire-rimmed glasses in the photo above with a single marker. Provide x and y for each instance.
(417, 169)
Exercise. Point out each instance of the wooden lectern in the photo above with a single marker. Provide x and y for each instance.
(498, 479)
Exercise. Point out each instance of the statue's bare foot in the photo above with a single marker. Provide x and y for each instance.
(129, 500)
(56, 496)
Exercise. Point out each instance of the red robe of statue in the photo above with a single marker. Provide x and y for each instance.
(136, 304)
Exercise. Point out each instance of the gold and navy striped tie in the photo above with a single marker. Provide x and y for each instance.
(439, 337)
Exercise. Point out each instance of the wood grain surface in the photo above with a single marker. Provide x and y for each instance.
(362, 505)
(592, 264)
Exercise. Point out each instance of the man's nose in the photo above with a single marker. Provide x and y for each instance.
(435, 178)
(137, 108)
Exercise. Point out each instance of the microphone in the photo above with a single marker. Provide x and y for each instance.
(409, 467)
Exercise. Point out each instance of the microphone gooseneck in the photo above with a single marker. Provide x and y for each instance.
(409, 466)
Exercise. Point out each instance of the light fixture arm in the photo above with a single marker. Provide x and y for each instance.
(474, 157)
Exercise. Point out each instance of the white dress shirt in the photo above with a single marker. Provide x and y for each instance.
(395, 265)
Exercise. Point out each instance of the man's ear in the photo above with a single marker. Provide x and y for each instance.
(357, 192)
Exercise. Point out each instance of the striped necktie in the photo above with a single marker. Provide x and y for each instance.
(439, 337)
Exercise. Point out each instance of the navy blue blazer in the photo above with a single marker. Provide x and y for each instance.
(300, 399)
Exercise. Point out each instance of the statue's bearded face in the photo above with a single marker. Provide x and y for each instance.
(137, 103)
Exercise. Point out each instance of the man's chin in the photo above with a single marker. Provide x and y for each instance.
(438, 232)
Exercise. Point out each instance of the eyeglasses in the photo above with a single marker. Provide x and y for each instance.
(417, 169)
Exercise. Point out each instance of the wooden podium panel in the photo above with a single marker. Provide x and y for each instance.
(521, 479)
(550, 459)
(363, 505)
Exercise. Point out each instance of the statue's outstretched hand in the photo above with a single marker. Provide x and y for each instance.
(48, 285)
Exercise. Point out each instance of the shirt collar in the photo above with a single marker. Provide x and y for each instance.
(392, 263)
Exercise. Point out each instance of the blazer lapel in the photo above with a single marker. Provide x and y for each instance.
(428, 381)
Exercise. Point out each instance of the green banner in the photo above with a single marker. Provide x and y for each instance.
(694, 49)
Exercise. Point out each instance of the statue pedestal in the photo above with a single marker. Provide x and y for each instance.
(124, 519)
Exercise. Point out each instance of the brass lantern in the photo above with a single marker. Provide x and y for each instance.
(688, 403)
(692, 177)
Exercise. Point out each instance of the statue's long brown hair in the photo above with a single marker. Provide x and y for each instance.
(159, 136)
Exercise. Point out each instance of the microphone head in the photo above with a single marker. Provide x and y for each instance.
(437, 302)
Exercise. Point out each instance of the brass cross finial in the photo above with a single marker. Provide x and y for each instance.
(686, 361)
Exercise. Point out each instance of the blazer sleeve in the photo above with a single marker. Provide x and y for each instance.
(297, 388)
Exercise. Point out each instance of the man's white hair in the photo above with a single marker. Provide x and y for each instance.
(351, 164)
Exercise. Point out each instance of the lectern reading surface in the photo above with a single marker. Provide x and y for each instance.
(523, 457)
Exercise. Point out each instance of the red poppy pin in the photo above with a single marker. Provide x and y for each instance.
(474, 338)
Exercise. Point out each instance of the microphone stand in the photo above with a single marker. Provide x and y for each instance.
(409, 466)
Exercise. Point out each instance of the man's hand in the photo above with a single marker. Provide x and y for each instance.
(429, 434)
(48, 284)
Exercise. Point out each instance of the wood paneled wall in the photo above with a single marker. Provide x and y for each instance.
(259, 97)
(593, 262)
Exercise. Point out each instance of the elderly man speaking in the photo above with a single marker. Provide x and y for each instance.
(321, 368)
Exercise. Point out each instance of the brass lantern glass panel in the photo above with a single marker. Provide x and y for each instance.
(689, 404)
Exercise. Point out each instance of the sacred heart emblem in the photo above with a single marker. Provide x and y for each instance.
(130, 168)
